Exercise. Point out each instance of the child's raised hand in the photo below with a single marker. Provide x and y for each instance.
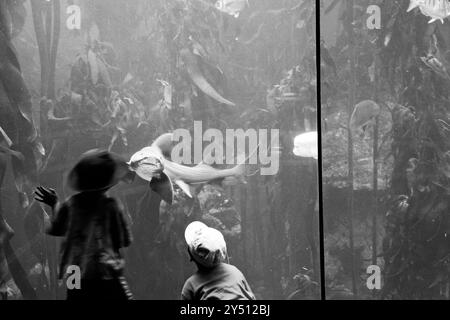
(46, 195)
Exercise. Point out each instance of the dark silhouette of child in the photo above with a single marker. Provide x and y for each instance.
(93, 226)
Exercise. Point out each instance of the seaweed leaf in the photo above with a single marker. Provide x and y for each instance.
(103, 72)
(93, 64)
(197, 77)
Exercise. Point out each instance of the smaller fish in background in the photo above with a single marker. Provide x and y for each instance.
(232, 7)
(435, 9)
(363, 114)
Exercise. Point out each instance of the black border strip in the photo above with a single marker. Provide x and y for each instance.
(319, 163)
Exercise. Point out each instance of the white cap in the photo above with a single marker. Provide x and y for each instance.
(206, 245)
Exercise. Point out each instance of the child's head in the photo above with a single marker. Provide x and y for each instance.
(97, 171)
(206, 246)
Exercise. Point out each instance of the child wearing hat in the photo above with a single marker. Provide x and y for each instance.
(215, 279)
(93, 226)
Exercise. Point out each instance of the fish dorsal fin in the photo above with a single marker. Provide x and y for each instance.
(185, 187)
(251, 154)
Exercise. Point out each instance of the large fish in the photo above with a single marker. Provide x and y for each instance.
(435, 9)
(151, 164)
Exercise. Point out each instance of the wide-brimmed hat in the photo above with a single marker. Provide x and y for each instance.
(206, 245)
(97, 170)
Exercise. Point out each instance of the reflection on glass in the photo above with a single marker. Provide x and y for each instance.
(385, 145)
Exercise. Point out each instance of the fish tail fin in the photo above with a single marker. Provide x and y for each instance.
(240, 170)
(414, 4)
(237, 178)
(238, 175)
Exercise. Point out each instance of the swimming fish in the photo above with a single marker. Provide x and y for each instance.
(305, 145)
(151, 164)
(435, 9)
(362, 115)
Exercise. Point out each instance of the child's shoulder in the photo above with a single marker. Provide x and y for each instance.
(113, 204)
(87, 197)
(229, 266)
(193, 280)
(70, 201)
(231, 269)
(110, 199)
(116, 203)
